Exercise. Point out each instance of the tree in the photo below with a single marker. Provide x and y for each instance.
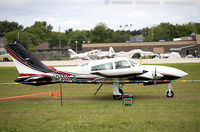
(100, 33)
(41, 30)
(78, 36)
(6, 27)
(197, 25)
(22, 37)
(120, 36)
(69, 34)
(54, 39)
(31, 36)
(167, 31)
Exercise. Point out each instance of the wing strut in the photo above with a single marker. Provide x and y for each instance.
(98, 89)
(60, 94)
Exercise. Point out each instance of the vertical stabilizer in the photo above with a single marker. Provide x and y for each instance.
(25, 62)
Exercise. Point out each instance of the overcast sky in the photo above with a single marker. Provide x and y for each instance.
(85, 14)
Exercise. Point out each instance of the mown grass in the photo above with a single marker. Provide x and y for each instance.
(82, 111)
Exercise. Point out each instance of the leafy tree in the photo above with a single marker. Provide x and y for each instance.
(6, 27)
(23, 38)
(100, 33)
(41, 30)
(197, 25)
(31, 36)
(78, 36)
(54, 39)
(69, 34)
(120, 36)
(167, 31)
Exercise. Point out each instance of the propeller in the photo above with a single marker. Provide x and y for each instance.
(154, 78)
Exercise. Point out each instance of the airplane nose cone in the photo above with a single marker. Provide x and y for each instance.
(182, 73)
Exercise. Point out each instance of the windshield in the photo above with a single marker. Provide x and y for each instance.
(121, 64)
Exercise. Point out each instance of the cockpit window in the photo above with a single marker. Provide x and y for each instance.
(107, 66)
(121, 64)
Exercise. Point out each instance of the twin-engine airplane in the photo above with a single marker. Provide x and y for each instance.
(116, 71)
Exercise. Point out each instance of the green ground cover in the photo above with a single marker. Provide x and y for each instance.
(82, 111)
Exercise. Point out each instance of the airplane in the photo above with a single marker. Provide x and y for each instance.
(135, 53)
(116, 71)
(93, 54)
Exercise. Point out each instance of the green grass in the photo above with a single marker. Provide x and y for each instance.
(82, 111)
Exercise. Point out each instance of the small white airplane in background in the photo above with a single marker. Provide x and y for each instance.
(91, 55)
(135, 53)
(116, 71)
(83, 56)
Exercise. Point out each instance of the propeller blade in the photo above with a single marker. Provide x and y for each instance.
(155, 74)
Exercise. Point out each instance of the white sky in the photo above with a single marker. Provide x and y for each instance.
(85, 14)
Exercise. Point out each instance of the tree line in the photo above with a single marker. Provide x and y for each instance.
(40, 32)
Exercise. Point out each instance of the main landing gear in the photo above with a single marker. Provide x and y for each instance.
(169, 93)
(117, 91)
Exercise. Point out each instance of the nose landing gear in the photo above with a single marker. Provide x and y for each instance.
(169, 93)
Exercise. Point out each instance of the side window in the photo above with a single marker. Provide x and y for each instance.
(121, 64)
(107, 66)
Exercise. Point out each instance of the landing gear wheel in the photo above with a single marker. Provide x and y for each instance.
(118, 97)
(121, 91)
(169, 93)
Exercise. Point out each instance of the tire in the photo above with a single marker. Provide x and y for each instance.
(121, 91)
(169, 94)
(118, 97)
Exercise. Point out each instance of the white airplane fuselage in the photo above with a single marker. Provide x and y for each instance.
(133, 70)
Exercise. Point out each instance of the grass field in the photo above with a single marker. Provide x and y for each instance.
(82, 111)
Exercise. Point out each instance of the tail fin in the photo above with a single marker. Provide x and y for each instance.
(70, 50)
(25, 62)
(31, 70)
(111, 52)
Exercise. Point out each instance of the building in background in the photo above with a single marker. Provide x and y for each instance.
(136, 39)
(44, 52)
(184, 46)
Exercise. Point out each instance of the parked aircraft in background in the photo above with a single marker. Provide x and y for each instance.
(172, 55)
(116, 71)
(83, 56)
(136, 53)
(92, 55)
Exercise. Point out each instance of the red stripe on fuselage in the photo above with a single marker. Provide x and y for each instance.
(52, 68)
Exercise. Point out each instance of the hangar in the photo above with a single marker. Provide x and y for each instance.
(185, 46)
